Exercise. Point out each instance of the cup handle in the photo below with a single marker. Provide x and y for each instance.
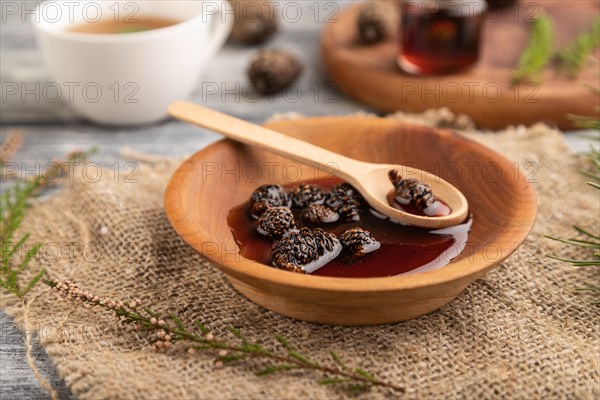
(218, 31)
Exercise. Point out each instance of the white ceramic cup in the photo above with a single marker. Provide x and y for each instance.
(129, 78)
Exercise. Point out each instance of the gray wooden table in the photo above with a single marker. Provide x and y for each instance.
(51, 129)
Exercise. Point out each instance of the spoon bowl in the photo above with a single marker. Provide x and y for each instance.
(375, 186)
(370, 179)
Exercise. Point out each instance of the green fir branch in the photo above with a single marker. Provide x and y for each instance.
(586, 232)
(592, 240)
(593, 184)
(589, 122)
(14, 201)
(586, 122)
(578, 263)
(337, 359)
(573, 58)
(580, 243)
(537, 53)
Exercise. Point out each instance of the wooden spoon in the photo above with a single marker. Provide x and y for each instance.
(370, 179)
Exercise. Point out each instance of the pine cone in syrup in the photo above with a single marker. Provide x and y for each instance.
(272, 70)
(275, 222)
(305, 251)
(267, 196)
(318, 213)
(305, 194)
(411, 191)
(359, 241)
(346, 201)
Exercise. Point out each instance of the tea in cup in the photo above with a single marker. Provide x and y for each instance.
(123, 62)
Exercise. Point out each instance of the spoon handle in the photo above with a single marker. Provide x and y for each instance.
(267, 139)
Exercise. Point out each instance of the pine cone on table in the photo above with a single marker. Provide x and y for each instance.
(272, 70)
(255, 22)
(376, 21)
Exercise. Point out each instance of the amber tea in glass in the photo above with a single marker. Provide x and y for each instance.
(440, 37)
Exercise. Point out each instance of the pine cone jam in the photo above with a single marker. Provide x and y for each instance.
(327, 229)
(416, 197)
(319, 213)
(276, 222)
(359, 241)
(346, 201)
(305, 250)
(305, 194)
(267, 196)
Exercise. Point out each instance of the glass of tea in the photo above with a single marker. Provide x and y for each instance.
(440, 36)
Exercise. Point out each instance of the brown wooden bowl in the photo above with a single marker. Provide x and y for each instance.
(370, 74)
(211, 182)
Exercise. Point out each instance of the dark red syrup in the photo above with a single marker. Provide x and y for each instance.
(403, 248)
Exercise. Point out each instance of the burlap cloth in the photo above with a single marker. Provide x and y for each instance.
(520, 332)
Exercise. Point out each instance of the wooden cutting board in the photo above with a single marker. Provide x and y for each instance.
(370, 73)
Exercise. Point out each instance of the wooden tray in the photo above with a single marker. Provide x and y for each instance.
(370, 73)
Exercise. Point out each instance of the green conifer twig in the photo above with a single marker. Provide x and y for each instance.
(572, 59)
(13, 203)
(591, 240)
(538, 51)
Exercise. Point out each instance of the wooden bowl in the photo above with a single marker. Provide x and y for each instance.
(370, 74)
(214, 180)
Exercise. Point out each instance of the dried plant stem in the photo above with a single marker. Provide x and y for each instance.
(171, 329)
(296, 362)
(11, 145)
